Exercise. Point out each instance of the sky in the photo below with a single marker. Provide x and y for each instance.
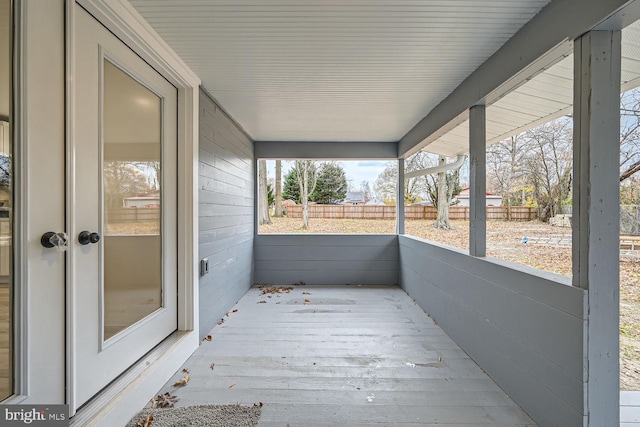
(355, 170)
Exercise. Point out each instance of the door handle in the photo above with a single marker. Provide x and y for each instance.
(86, 237)
(59, 241)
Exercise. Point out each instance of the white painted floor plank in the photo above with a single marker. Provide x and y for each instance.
(630, 408)
(348, 355)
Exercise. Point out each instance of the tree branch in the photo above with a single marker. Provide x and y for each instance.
(630, 171)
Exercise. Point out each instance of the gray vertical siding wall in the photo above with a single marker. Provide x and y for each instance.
(523, 328)
(226, 192)
(326, 259)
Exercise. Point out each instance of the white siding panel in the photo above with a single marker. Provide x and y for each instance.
(226, 203)
(523, 328)
(326, 259)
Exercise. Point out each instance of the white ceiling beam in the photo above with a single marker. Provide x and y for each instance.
(559, 21)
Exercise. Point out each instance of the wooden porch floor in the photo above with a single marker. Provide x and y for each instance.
(342, 355)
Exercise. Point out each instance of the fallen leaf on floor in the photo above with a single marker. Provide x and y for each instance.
(213, 365)
(166, 400)
(220, 322)
(278, 302)
(275, 289)
(259, 404)
(146, 422)
(301, 283)
(232, 385)
(235, 310)
(185, 370)
(262, 301)
(306, 301)
(208, 338)
(306, 293)
(182, 382)
(153, 402)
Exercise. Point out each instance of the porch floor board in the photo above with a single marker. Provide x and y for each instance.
(342, 355)
(629, 408)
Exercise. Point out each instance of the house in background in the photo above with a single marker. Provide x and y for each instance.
(375, 202)
(354, 198)
(207, 89)
(464, 196)
(151, 200)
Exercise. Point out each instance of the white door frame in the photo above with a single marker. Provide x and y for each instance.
(122, 20)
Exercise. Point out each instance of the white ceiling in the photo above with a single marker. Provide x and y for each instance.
(543, 98)
(334, 70)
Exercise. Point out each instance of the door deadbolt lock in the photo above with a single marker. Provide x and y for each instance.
(86, 237)
(60, 241)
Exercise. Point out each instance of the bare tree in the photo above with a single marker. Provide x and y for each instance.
(505, 171)
(263, 202)
(548, 164)
(306, 172)
(414, 188)
(629, 133)
(447, 185)
(278, 202)
(366, 190)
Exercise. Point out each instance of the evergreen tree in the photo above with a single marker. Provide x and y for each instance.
(332, 184)
(291, 189)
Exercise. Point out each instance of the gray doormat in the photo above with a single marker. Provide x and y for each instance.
(201, 415)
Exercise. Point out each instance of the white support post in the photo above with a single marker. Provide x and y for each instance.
(478, 181)
(400, 198)
(596, 216)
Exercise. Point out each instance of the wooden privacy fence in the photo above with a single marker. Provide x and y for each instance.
(130, 215)
(504, 213)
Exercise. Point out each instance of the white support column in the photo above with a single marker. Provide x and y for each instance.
(400, 199)
(596, 216)
(477, 181)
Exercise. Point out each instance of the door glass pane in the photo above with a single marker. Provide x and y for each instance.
(6, 202)
(132, 200)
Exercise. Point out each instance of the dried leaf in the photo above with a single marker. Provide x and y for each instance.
(167, 400)
(182, 382)
(232, 385)
(213, 365)
(306, 301)
(208, 338)
(301, 283)
(278, 302)
(276, 290)
(306, 293)
(259, 404)
(262, 301)
(185, 370)
(154, 402)
(235, 310)
(220, 322)
(146, 422)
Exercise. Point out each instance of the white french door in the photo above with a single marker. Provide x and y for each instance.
(121, 209)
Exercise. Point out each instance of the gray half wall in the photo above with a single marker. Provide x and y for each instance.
(326, 259)
(226, 204)
(521, 326)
